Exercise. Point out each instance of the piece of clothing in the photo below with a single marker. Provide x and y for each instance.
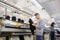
(40, 26)
(38, 37)
(32, 28)
(52, 28)
(52, 35)
(7, 38)
(21, 37)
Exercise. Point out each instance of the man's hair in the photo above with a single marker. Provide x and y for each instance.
(36, 14)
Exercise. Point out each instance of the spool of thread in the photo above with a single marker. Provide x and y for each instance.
(13, 18)
(22, 21)
(7, 17)
(19, 20)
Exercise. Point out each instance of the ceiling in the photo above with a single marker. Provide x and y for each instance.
(51, 6)
(30, 6)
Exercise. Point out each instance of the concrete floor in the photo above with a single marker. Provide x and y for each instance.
(17, 38)
(2, 38)
(27, 38)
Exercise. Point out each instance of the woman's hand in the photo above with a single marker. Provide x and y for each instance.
(34, 24)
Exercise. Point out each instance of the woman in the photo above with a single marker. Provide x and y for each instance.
(52, 33)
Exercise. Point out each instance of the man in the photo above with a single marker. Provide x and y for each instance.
(40, 25)
(52, 33)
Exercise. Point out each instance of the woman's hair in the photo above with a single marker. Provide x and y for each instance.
(53, 23)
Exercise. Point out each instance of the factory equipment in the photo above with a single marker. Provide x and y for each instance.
(13, 28)
(9, 28)
(8, 25)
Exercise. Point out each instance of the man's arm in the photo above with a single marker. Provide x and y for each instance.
(42, 24)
